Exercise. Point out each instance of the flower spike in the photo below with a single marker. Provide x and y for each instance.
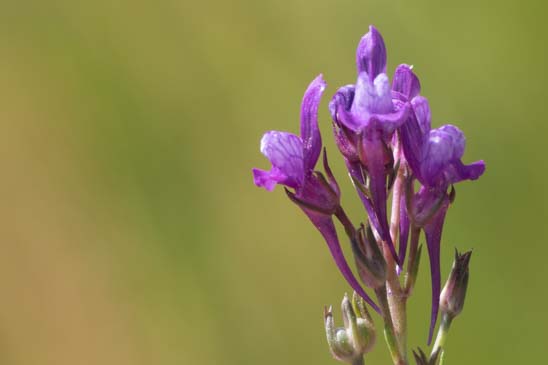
(383, 130)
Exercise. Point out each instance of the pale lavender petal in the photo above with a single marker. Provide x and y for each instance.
(310, 132)
(433, 232)
(285, 152)
(371, 54)
(326, 227)
(372, 97)
(405, 82)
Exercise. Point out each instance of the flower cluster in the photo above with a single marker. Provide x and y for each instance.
(383, 131)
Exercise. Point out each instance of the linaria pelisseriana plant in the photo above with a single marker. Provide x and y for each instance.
(383, 132)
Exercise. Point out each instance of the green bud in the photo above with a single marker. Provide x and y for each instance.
(357, 337)
(337, 339)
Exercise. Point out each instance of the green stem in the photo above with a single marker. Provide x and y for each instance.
(442, 333)
(412, 264)
(358, 361)
(397, 299)
(391, 340)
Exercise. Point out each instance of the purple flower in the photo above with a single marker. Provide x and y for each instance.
(365, 118)
(293, 159)
(434, 156)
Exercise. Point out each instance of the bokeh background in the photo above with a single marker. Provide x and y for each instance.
(131, 231)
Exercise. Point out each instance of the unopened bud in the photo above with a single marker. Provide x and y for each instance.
(366, 328)
(337, 339)
(357, 337)
(369, 258)
(454, 292)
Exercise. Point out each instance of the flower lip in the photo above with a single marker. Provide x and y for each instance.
(371, 97)
(441, 163)
(285, 152)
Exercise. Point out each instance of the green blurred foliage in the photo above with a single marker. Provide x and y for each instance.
(132, 232)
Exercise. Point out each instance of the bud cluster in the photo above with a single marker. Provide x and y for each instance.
(350, 343)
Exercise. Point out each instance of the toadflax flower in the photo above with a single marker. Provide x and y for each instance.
(293, 160)
(434, 156)
(364, 119)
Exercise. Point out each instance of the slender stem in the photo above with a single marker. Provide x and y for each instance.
(396, 303)
(395, 351)
(396, 201)
(396, 297)
(442, 333)
(358, 361)
(411, 272)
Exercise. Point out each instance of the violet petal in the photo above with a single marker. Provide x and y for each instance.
(438, 152)
(405, 82)
(422, 112)
(371, 54)
(268, 179)
(459, 171)
(310, 132)
(342, 99)
(285, 152)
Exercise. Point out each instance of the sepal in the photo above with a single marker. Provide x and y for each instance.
(369, 258)
(422, 359)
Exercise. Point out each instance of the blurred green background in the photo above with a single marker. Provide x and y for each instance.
(132, 232)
